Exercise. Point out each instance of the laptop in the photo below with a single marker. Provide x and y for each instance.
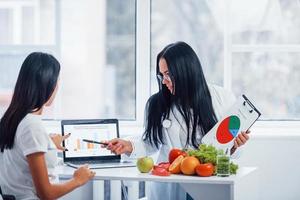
(83, 144)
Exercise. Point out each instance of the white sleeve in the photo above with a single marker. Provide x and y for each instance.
(33, 139)
(140, 148)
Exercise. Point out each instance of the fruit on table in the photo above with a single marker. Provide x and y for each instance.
(206, 169)
(145, 164)
(160, 171)
(188, 165)
(174, 153)
(175, 166)
(165, 165)
(208, 154)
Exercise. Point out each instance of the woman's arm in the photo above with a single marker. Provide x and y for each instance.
(46, 190)
(134, 147)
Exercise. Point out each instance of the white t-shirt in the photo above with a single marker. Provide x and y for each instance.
(15, 177)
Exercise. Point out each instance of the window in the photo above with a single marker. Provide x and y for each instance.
(94, 42)
(192, 22)
(248, 47)
(25, 26)
(265, 49)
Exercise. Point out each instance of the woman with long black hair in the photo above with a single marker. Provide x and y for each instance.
(24, 142)
(183, 110)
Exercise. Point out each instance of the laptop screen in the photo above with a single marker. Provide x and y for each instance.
(83, 130)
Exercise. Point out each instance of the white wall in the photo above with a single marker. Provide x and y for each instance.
(278, 161)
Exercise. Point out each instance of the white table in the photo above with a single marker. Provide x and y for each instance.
(208, 188)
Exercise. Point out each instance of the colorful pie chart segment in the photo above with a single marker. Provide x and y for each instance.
(228, 129)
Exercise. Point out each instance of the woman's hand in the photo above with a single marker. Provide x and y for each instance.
(83, 175)
(118, 146)
(240, 140)
(57, 140)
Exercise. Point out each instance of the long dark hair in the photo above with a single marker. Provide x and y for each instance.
(35, 84)
(191, 96)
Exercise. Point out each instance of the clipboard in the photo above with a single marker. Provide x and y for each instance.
(239, 117)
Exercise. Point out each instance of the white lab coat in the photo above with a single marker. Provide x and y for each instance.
(175, 137)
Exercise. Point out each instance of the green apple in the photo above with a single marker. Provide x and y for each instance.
(145, 164)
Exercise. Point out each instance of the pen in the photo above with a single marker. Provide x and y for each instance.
(96, 142)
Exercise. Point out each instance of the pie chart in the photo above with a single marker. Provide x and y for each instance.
(228, 129)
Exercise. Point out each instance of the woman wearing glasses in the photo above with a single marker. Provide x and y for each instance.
(183, 110)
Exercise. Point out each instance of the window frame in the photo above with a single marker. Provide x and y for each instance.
(142, 57)
(17, 48)
(230, 48)
(142, 62)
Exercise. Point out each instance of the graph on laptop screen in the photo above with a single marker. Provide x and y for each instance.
(96, 132)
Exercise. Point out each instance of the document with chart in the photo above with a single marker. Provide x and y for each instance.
(240, 117)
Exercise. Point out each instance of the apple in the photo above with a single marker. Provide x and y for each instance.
(145, 164)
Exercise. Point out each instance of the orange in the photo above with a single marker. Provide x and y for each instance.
(174, 153)
(175, 166)
(189, 164)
